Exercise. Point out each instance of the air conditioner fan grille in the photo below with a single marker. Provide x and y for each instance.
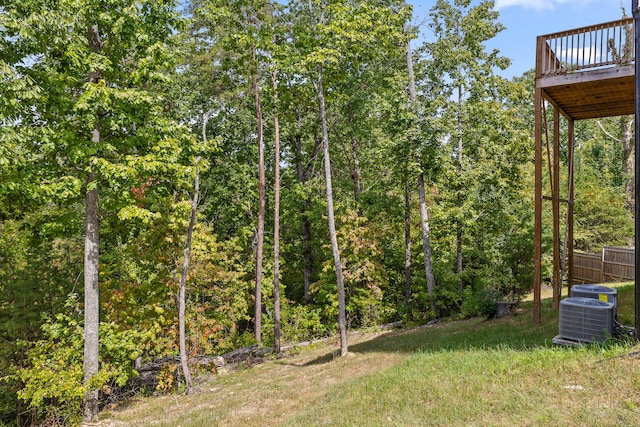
(586, 319)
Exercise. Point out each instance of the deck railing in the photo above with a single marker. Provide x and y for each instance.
(596, 46)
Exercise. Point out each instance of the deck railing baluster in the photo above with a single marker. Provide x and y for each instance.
(605, 49)
(593, 55)
(556, 50)
(620, 44)
(601, 47)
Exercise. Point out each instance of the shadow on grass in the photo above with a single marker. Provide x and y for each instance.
(320, 360)
(517, 332)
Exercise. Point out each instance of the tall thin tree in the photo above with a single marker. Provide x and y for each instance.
(183, 280)
(342, 317)
(407, 187)
(464, 67)
(424, 213)
(182, 334)
(276, 219)
(261, 203)
(91, 255)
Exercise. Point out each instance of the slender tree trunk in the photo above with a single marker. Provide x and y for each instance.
(407, 195)
(307, 254)
(302, 173)
(424, 215)
(261, 210)
(628, 168)
(183, 284)
(276, 222)
(407, 241)
(342, 322)
(182, 335)
(412, 79)
(459, 196)
(426, 244)
(91, 256)
(342, 318)
(91, 294)
(355, 171)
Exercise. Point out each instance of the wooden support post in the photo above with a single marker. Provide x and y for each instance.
(636, 17)
(537, 234)
(557, 285)
(571, 197)
(603, 257)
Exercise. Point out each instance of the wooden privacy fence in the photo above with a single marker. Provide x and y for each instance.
(612, 265)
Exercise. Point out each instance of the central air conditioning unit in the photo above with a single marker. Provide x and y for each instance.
(598, 292)
(586, 319)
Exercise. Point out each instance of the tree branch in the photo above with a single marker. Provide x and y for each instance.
(607, 133)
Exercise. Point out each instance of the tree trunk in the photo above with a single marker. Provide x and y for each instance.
(307, 255)
(276, 223)
(459, 195)
(183, 284)
(342, 322)
(424, 215)
(302, 174)
(261, 210)
(407, 194)
(91, 256)
(407, 241)
(628, 157)
(426, 244)
(355, 171)
(628, 167)
(91, 294)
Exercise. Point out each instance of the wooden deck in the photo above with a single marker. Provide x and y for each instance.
(592, 94)
(585, 73)
(588, 72)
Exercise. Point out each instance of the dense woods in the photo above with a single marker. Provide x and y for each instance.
(188, 178)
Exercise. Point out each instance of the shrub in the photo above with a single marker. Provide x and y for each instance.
(470, 306)
(52, 378)
(365, 279)
(487, 302)
(297, 323)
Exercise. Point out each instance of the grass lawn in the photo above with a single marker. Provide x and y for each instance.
(474, 372)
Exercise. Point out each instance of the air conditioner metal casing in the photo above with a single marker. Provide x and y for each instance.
(586, 319)
(599, 292)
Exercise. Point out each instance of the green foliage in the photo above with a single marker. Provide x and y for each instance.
(149, 117)
(168, 378)
(299, 323)
(446, 294)
(481, 214)
(602, 217)
(487, 302)
(470, 306)
(52, 377)
(140, 285)
(220, 286)
(39, 265)
(365, 279)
